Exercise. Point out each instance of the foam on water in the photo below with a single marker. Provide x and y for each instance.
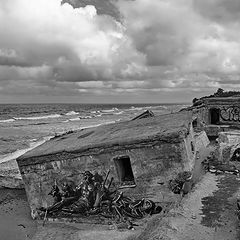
(85, 117)
(74, 119)
(71, 113)
(38, 117)
(7, 120)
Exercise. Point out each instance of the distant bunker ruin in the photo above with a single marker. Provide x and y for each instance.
(141, 155)
(218, 114)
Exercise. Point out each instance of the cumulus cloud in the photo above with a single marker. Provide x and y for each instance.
(179, 40)
(104, 7)
(157, 31)
(44, 39)
(115, 47)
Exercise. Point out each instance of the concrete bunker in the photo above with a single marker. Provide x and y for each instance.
(138, 155)
(217, 113)
(214, 114)
(124, 171)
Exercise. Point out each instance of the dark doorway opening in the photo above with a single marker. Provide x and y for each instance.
(124, 171)
(214, 116)
(194, 123)
(236, 155)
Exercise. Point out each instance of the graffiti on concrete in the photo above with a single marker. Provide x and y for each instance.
(93, 197)
(230, 113)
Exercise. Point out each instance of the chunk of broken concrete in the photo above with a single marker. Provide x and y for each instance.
(11, 182)
(10, 176)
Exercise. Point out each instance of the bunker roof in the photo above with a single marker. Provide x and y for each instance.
(147, 131)
(222, 100)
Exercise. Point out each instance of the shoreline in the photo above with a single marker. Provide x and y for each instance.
(33, 144)
(14, 155)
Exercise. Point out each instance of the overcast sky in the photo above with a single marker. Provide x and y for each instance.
(117, 51)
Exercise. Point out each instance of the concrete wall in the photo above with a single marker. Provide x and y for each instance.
(229, 113)
(189, 155)
(201, 140)
(151, 166)
(226, 112)
(202, 116)
(228, 143)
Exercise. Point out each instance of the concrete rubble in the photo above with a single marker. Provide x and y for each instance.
(10, 176)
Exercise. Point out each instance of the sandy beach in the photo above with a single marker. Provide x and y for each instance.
(15, 220)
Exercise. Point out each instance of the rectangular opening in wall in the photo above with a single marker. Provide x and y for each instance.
(124, 171)
(214, 116)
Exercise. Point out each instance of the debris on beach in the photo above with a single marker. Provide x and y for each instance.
(145, 114)
(93, 198)
(212, 165)
(182, 183)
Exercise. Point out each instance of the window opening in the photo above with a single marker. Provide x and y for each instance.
(194, 123)
(124, 171)
(192, 147)
(214, 116)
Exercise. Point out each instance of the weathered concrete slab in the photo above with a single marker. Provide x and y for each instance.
(145, 114)
(11, 182)
(228, 143)
(166, 128)
(201, 140)
(10, 176)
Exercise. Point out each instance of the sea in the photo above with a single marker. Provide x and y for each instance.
(26, 126)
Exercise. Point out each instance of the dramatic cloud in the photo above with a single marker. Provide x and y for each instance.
(119, 48)
(104, 7)
(44, 39)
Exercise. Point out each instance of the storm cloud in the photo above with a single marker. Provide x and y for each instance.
(120, 48)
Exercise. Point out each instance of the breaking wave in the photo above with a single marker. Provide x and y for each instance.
(112, 111)
(73, 119)
(38, 117)
(109, 110)
(85, 117)
(135, 108)
(71, 113)
(7, 120)
(118, 113)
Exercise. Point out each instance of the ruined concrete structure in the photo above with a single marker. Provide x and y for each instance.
(218, 114)
(229, 142)
(145, 114)
(143, 155)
